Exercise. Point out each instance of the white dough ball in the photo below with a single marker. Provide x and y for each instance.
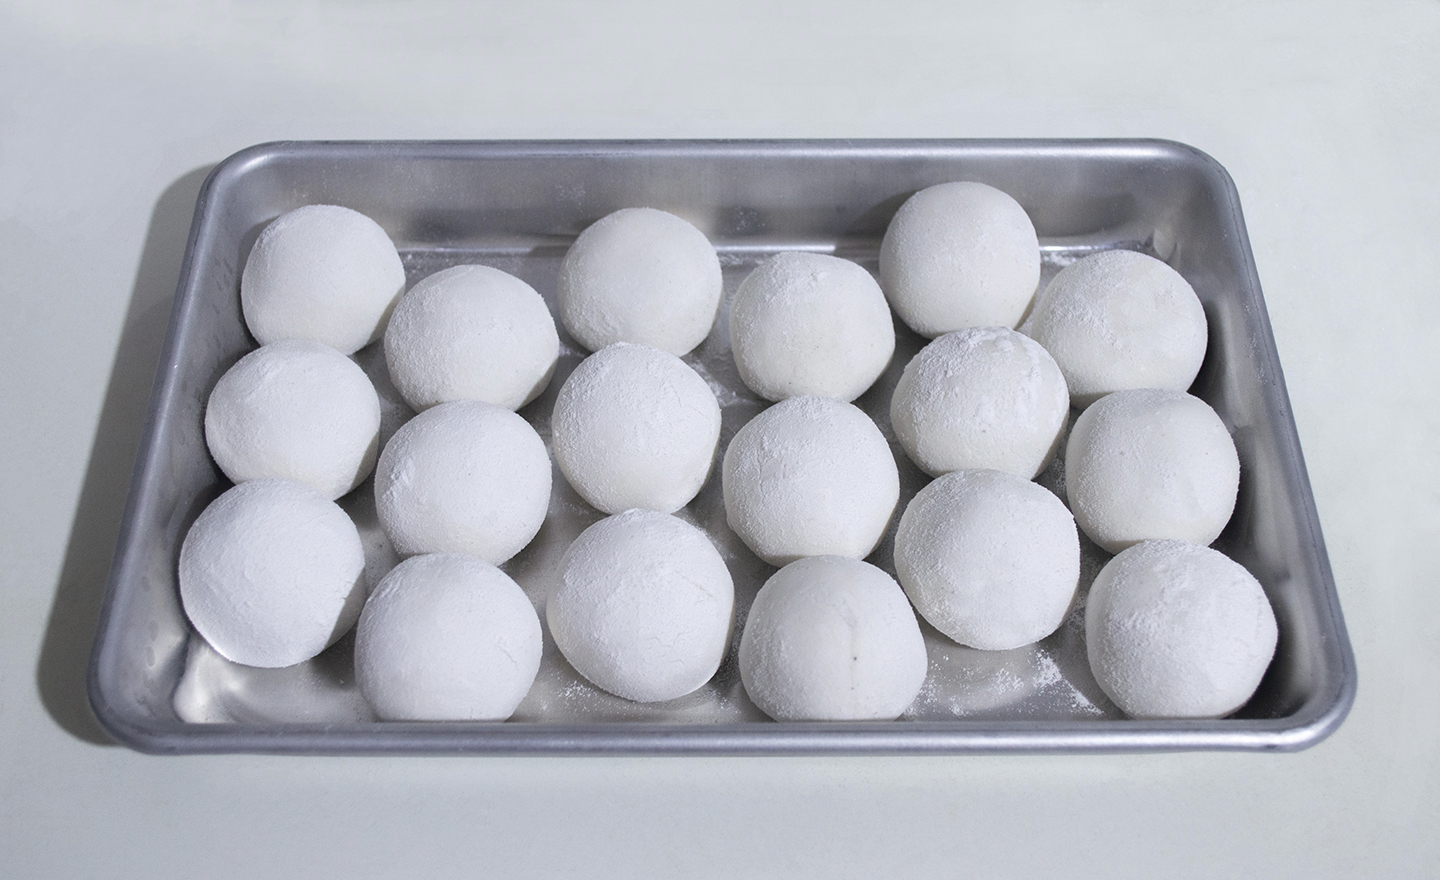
(985, 397)
(990, 559)
(298, 410)
(321, 272)
(447, 637)
(830, 638)
(810, 476)
(1177, 630)
(471, 333)
(463, 477)
(272, 573)
(1151, 463)
(644, 606)
(810, 324)
(1117, 320)
(960, 255)
(635, 426)
(640, 275)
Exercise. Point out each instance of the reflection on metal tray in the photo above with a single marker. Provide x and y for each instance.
(517, 206)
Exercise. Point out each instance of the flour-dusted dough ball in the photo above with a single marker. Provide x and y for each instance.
(463, 477)
(635, 426)
(321, 272)
(298, 410)
(471, 333)
(447, 637)
(1151, 463)
(640, 275)
(1177, 630)
(644, 606)
(830, 638)
(810, 476)
(960, 255)
(1118, 320)
(985, 397)
(271, 573)
(992, 560)
(810, 324)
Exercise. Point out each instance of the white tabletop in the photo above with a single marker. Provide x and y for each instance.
(1327, 115)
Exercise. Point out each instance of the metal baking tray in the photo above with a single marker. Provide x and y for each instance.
(517, 206)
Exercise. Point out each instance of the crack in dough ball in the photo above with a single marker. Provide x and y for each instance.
(1177, 630)
(635, 426)
(1151, 463)
(463, 477)
(272, 573)
(447, 637)
(1118, 320)
(321, 272)
(830, 638)
(644, 606)
(809, 476)
(298, 410)
(471, 333)
(810, 324)
(640, 275)
(985, 397)
(990, 559)
(960, 255)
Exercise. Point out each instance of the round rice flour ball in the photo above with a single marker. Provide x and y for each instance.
(810, 476)
(471, 333)
(447, 637)
(298, 410)
(640, 275)
(463, 477)
(1177, 630)
(1117, 320)
(321, 272)
(634, 426)
(644, 606)
(986, 397)
(272, 573)
(830, 638)
(990, 559)
(960, 255)
(804, 323)
(1150, 463)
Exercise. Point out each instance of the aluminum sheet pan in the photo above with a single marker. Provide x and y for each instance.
(517, 206)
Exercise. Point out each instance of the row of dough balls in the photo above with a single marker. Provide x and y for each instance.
(459, 488)
(791, 267)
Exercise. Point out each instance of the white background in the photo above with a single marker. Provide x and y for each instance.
(1327, 115)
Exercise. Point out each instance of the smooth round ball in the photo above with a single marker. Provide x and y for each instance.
(644, 606)
(471, 333)
(635, 426)
(1177, 630)
(640, 275)
(990, 559)
(810, 476)
(463, 477)
(297, 410)
(960, 255)
(1149, 464)
(447, 637)
(321, 272)
(810, 324)
(986, 397)
(1118, 320)
(272, 573)
(830, 638)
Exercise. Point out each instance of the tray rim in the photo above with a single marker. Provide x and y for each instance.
(1315, 720)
